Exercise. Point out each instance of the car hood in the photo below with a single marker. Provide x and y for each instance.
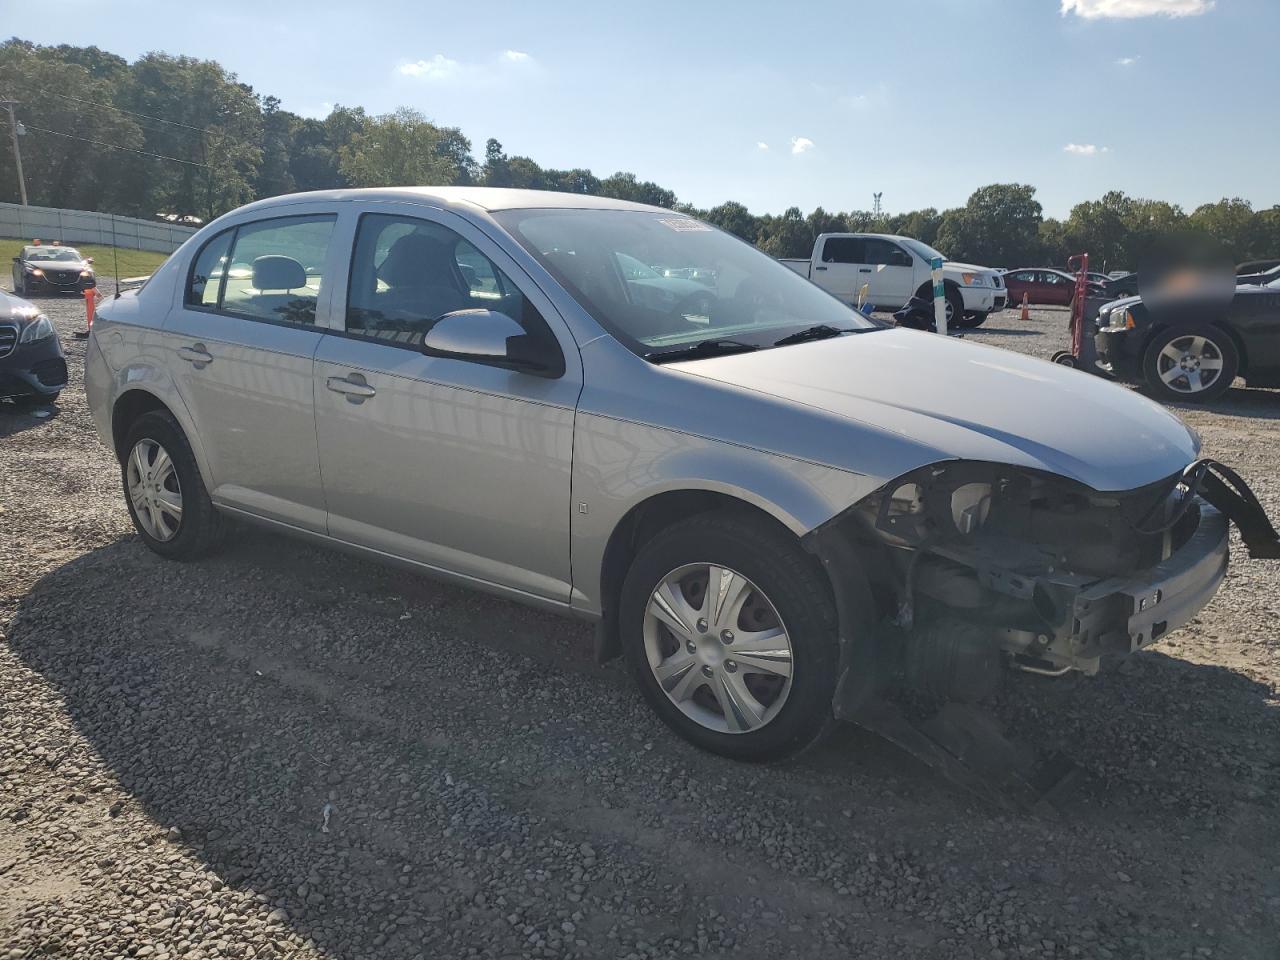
(967, 401)
(16, 310)
(76, 265)
(966, 268)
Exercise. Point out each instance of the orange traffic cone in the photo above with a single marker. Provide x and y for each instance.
(91, 297)
(1026, 310)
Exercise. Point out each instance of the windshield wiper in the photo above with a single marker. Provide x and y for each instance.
(822, 331)
(712, 347)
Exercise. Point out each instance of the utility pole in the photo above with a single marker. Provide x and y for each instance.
(17, 150)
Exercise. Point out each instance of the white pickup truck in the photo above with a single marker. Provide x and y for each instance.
(896, 268)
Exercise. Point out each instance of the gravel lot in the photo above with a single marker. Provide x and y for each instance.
(175, 738)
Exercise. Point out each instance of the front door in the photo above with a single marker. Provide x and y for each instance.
(456, 465)
(892, 276)
(239, 345)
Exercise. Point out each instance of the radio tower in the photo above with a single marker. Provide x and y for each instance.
(875, 207)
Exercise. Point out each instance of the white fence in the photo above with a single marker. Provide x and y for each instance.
(84, 226)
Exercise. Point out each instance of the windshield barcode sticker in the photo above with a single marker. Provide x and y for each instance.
(683, 224)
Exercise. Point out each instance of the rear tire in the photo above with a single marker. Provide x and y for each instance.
(1190, 364)
(783, 620)
(152, 487)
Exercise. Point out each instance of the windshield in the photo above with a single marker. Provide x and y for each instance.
(56, 254)
(922, 249)
(711, 286)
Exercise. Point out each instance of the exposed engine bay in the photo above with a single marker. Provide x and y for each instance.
(979, 567)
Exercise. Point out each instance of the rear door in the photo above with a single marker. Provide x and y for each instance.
(239, 344)
(1055, 288)
(841, 269)
(457, 465)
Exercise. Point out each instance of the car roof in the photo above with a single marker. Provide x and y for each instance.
(483, 198)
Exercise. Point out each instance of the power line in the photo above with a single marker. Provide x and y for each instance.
(133, 113)
(114, 146)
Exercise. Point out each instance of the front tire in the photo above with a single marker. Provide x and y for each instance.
(969, 321)
(1190, 364)
(164, 491)
(730, 630)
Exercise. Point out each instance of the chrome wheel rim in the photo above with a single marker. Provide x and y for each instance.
(154, 490)
(1189, 364)
(718, 648)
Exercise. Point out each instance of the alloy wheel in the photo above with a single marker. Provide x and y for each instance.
(154, 490)
(1190, 364)
(718, 648)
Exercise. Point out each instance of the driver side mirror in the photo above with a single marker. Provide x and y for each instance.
(88, 259)
(492, 338)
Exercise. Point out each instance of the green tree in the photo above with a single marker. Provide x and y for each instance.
(625, 186)
(998, 225)
(735, 218)
(786, 236)
(402, 148)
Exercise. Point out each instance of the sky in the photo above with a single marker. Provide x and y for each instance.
(776, 104)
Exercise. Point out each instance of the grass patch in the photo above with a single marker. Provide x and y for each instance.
(133, 263)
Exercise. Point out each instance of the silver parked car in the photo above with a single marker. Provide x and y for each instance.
(771, 505)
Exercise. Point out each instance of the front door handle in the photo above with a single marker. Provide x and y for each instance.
(819, 268)
(864, 269)
(356, 390)
(197, 354)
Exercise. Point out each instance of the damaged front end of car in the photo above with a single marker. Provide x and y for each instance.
(976, 568)
(955, 574)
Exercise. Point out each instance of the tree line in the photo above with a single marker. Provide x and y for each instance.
(182, 136)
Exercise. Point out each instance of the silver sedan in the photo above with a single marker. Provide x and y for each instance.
(773, 506)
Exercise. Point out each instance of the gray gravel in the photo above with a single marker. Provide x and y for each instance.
(174, 740)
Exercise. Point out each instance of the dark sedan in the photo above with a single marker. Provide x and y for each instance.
(49, 268)
(1189, 358)
(32, 365)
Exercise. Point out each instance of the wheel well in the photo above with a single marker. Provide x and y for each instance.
(926, 289)
(128, 409)
(641, 524)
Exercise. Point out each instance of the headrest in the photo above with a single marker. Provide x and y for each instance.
(416, 260)
(278, 273)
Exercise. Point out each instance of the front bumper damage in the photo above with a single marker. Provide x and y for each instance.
(951, 576)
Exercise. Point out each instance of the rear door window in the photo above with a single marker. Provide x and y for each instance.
(276, 269)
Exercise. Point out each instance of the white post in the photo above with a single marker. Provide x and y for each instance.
(939, 296)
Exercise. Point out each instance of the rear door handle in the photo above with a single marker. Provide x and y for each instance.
(819, 268)
(355, 390)
(196, 354)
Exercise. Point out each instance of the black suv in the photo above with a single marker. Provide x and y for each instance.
(1194, 358)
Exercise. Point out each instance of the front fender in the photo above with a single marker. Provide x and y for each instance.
(619, 465)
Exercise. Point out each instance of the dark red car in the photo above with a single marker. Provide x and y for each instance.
(1043, 285)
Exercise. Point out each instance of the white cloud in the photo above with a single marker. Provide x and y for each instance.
(1085, 149)
(317, 113)
(444, 70)
(801, 144)
(761, 145)
(438, 67)
(1128, 61)
(1130, 9)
